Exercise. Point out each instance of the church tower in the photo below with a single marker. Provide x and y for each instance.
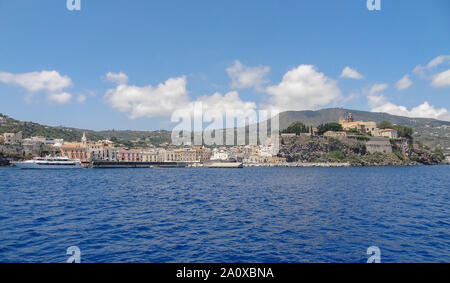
(84, 139)
(350, 118)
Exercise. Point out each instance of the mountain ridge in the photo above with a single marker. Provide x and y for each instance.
(315, 118)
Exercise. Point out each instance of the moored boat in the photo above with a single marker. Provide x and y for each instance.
(49, 163)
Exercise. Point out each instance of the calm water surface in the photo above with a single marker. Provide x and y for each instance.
(217, 215)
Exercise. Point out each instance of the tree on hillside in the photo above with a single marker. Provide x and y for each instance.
(385, 125)
(404, 132)
(322, 129)
(296, 128)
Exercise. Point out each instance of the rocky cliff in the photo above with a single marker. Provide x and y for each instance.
(354, 150)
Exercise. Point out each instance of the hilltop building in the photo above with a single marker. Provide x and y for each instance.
(38, 146)
(363, 127)
(387, 133)
(12, 138)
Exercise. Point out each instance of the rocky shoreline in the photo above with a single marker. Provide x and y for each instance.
(356, 151)
(4, 161)
(334, 164)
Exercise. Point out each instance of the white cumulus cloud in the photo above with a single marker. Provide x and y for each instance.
(247, 77)
(117, 78)
(441, 79)
(379, 103)
(170, 96)
(303, 88)
(50, 81)
(149, 101)
(350, 73)
(403, 83)
(230, 103)
(59, 98)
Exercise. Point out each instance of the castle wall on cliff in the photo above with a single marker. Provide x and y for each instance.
(381, 145)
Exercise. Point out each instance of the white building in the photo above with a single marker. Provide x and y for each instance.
(219, 154)
(388, 133)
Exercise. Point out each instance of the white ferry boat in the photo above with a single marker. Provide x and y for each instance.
(49, 163)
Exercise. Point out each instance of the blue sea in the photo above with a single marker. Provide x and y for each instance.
(226, 215)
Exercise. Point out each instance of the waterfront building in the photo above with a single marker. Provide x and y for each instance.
(87, 151)
(101, 150)
(129, 155)
(150, 156)
(202, 154)
(167, 155)
(185, 155)
(76, 150)
(219, 154)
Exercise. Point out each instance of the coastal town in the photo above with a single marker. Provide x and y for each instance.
(330, 144)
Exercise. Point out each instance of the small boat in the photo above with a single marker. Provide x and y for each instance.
(49, 163)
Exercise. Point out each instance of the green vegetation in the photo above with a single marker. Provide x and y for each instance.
(431, 132)
(323, 128)
(297, 128)
(385, 125)
(403, 131)
(336, 155)
(30, 129)
(438, 154)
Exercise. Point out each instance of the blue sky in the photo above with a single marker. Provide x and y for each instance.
(252, 54)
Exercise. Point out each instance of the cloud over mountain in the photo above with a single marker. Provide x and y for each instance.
(379, 103)
(303, 88)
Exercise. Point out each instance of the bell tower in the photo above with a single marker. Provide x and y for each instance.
(350, 118)
(84, 139)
